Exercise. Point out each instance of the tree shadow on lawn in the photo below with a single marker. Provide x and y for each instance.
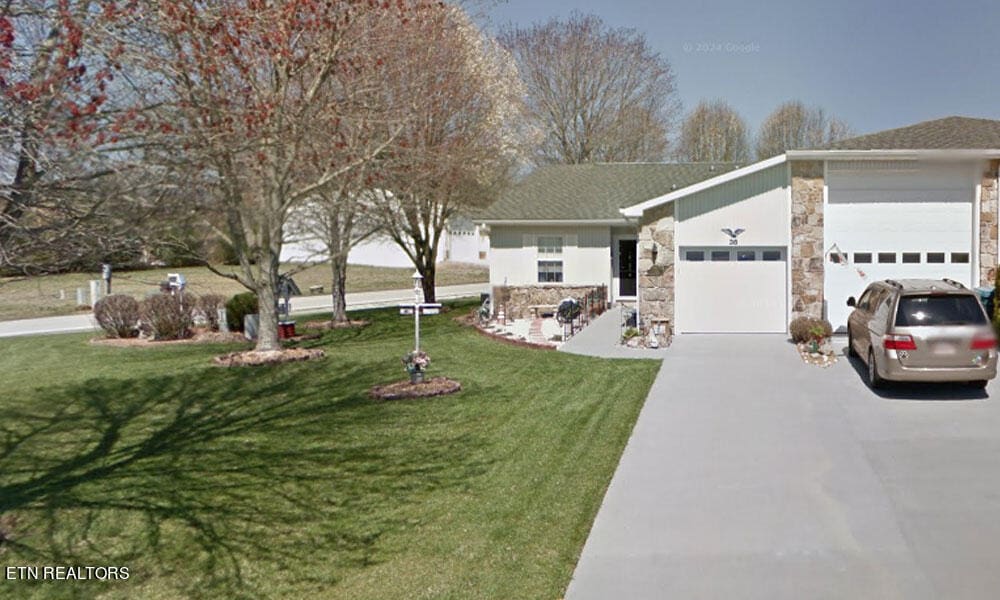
(218, 481)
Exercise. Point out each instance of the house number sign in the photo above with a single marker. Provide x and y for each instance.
(734, 235)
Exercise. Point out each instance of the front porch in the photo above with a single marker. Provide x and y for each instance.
(603, 338)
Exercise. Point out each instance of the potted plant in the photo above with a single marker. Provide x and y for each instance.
(817, 333)
(416, 364)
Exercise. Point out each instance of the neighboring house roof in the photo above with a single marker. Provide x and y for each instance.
(594, 192)
(949, 133)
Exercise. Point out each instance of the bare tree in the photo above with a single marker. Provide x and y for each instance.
(594, 93)
(257, 95)
(793, 125)
(69, 186)
(714, 132)
(460, 142)
(336, 219)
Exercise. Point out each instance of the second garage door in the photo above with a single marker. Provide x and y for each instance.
(731, 290)
(893, 220)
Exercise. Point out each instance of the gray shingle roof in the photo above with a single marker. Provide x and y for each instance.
(594, 191)
(949, 133)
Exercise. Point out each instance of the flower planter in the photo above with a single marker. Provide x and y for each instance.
(286, 329)
(416, 376)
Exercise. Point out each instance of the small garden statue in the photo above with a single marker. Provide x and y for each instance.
(416, 364)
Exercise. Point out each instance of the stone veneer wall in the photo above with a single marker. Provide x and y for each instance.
(807, 238)
(522, 297)
(988, 215)
(656, 278)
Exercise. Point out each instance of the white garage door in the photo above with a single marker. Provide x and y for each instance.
(891, 221)
(731, 290)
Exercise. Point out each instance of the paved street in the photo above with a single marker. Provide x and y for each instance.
(300, 305)
(752, 475)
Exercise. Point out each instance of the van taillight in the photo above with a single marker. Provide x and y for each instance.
(986, 342)
(898, 342)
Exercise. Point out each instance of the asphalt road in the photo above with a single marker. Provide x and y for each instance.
(300, 305)
(753, 475)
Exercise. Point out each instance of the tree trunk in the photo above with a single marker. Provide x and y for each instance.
(428, 271)
(338, 265)
(267, 334)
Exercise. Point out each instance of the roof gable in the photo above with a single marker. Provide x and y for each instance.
(594, 192)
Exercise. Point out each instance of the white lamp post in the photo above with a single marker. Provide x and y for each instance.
(417, 298)
(418, 306)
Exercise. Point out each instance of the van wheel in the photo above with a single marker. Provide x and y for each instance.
(851, 352)
(979, 384)
(875, 380)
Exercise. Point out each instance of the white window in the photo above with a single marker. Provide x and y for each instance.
(550, 264)
(550, 245)
(550, 271)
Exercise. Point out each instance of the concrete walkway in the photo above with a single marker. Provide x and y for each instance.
(752, 475)
(602, 336)
(300, 305)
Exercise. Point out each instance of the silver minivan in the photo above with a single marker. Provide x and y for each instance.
(922, 330)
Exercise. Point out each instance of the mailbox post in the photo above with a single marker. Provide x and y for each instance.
(106, 276)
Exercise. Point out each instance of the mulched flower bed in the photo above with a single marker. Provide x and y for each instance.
(254, 358)
(824, 358)
(438, 386)
(472, 320)
(324, 325)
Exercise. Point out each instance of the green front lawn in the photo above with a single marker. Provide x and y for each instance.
(288, 482)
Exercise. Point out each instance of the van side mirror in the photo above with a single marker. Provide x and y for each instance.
(852, 302)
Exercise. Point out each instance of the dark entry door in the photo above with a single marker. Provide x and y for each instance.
(626, 267)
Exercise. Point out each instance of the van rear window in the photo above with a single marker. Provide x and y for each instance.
(931, 310)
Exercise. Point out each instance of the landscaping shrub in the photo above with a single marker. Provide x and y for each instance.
(239, 306)
(118, 315)
(208, 306)
(803, 329)
(166, 317)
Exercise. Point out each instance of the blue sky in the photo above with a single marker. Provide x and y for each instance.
(877, 65)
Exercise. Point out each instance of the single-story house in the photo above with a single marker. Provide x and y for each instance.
(464, 241)
(746, 248)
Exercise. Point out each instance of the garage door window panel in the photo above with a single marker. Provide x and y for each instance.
(935, 257)
(695, 255)
(862, 258)
(960, 258)
(746, 255)
(720, 255)
(770, 255)
(886, 257)
(911, 258)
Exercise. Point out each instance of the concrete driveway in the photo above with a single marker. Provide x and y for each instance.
(752, 475)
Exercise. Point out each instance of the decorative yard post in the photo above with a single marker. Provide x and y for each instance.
(418, 306)
(417, 298)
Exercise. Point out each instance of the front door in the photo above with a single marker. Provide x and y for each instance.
(626, 268)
